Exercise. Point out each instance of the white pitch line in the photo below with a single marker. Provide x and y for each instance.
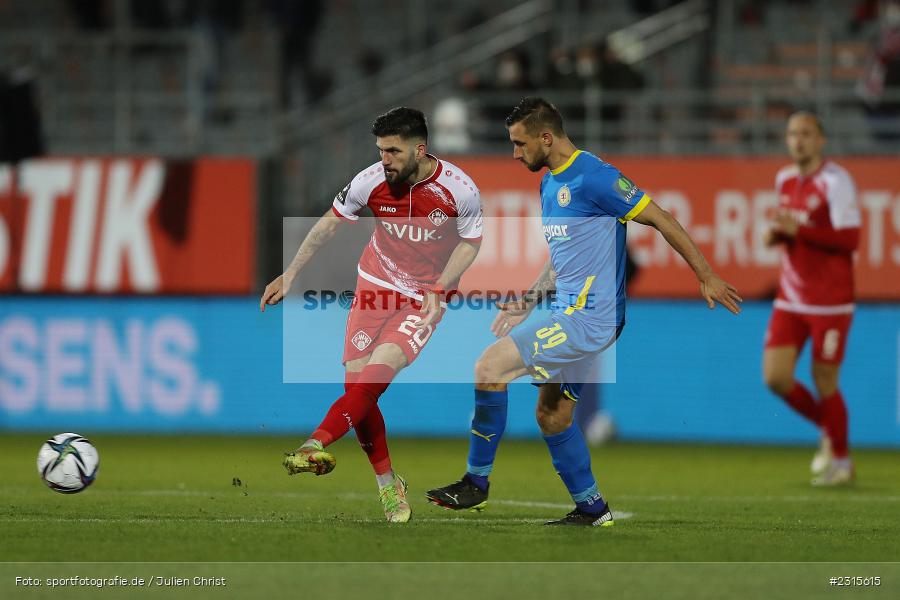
(618, 515)
(473, 520)
(344, 496)
(155, 520)
(140, 520)
(826, 495)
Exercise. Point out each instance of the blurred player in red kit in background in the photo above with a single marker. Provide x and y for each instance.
(817, 224)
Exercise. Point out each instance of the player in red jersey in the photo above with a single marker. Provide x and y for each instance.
(427, 233)
(817, 224)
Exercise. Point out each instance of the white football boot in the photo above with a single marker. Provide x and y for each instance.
(838, 473)
(823, 456)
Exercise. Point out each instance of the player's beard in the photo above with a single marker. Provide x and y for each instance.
(393, 177)
(538, 164)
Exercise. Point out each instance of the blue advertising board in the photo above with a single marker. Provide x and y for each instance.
(682, 372)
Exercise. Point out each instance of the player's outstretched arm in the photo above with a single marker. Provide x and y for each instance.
(317, 237)
(460, 259)
(513, 313)
(712, 287)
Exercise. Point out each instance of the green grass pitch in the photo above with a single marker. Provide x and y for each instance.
(175, 499)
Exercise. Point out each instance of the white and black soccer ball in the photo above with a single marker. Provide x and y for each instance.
(68, 463)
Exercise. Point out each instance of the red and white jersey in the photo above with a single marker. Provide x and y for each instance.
(817, 265)
(417, 227)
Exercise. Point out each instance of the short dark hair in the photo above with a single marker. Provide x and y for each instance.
(408, 123)
(536, 114)
(811, 116)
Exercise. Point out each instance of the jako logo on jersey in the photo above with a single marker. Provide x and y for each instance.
(390, 209)
(437, 217)
(410, 232)
(556, 232)
(563, 196)
(360, 340)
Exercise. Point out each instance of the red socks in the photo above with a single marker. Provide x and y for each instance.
(371, 433)
(804, 403)
(830, 414)
(351, 409)
(834, 421)
(372, 437)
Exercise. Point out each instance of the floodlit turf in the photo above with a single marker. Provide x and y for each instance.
(177, 499)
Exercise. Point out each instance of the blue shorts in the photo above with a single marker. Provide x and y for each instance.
(564, 349)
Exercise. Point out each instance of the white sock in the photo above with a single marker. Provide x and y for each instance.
(385, 479)
(312, 443)
(843, 463)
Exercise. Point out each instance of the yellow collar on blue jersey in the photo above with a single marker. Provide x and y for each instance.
(566, 164)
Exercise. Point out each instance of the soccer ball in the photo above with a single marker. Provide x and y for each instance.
(68, 463)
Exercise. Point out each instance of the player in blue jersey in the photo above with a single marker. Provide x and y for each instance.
(585, 203)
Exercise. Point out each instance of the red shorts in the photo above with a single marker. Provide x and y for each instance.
(829, 333)
(380, 316)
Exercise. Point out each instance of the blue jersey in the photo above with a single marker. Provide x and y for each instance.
(585, 204)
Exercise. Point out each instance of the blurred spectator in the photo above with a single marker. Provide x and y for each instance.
(882, 77)
(587, 63)
(561, 71)
(227, 15)
(865, 12)
(574, 72)
(370, 62)
(297, 23)
(751, 14)
(616, 77)
(450, 126)
(511, 74)
(20, 121)
(149, 15)
(470, 81)
(90, 15)
(453, 119)
(217, 21)
(162, 15)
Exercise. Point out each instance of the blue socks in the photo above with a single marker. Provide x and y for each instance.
(572, 461)
(487, 429)
(568, 450)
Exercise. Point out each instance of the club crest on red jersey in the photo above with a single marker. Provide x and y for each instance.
(437, 217)
(361, 340)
